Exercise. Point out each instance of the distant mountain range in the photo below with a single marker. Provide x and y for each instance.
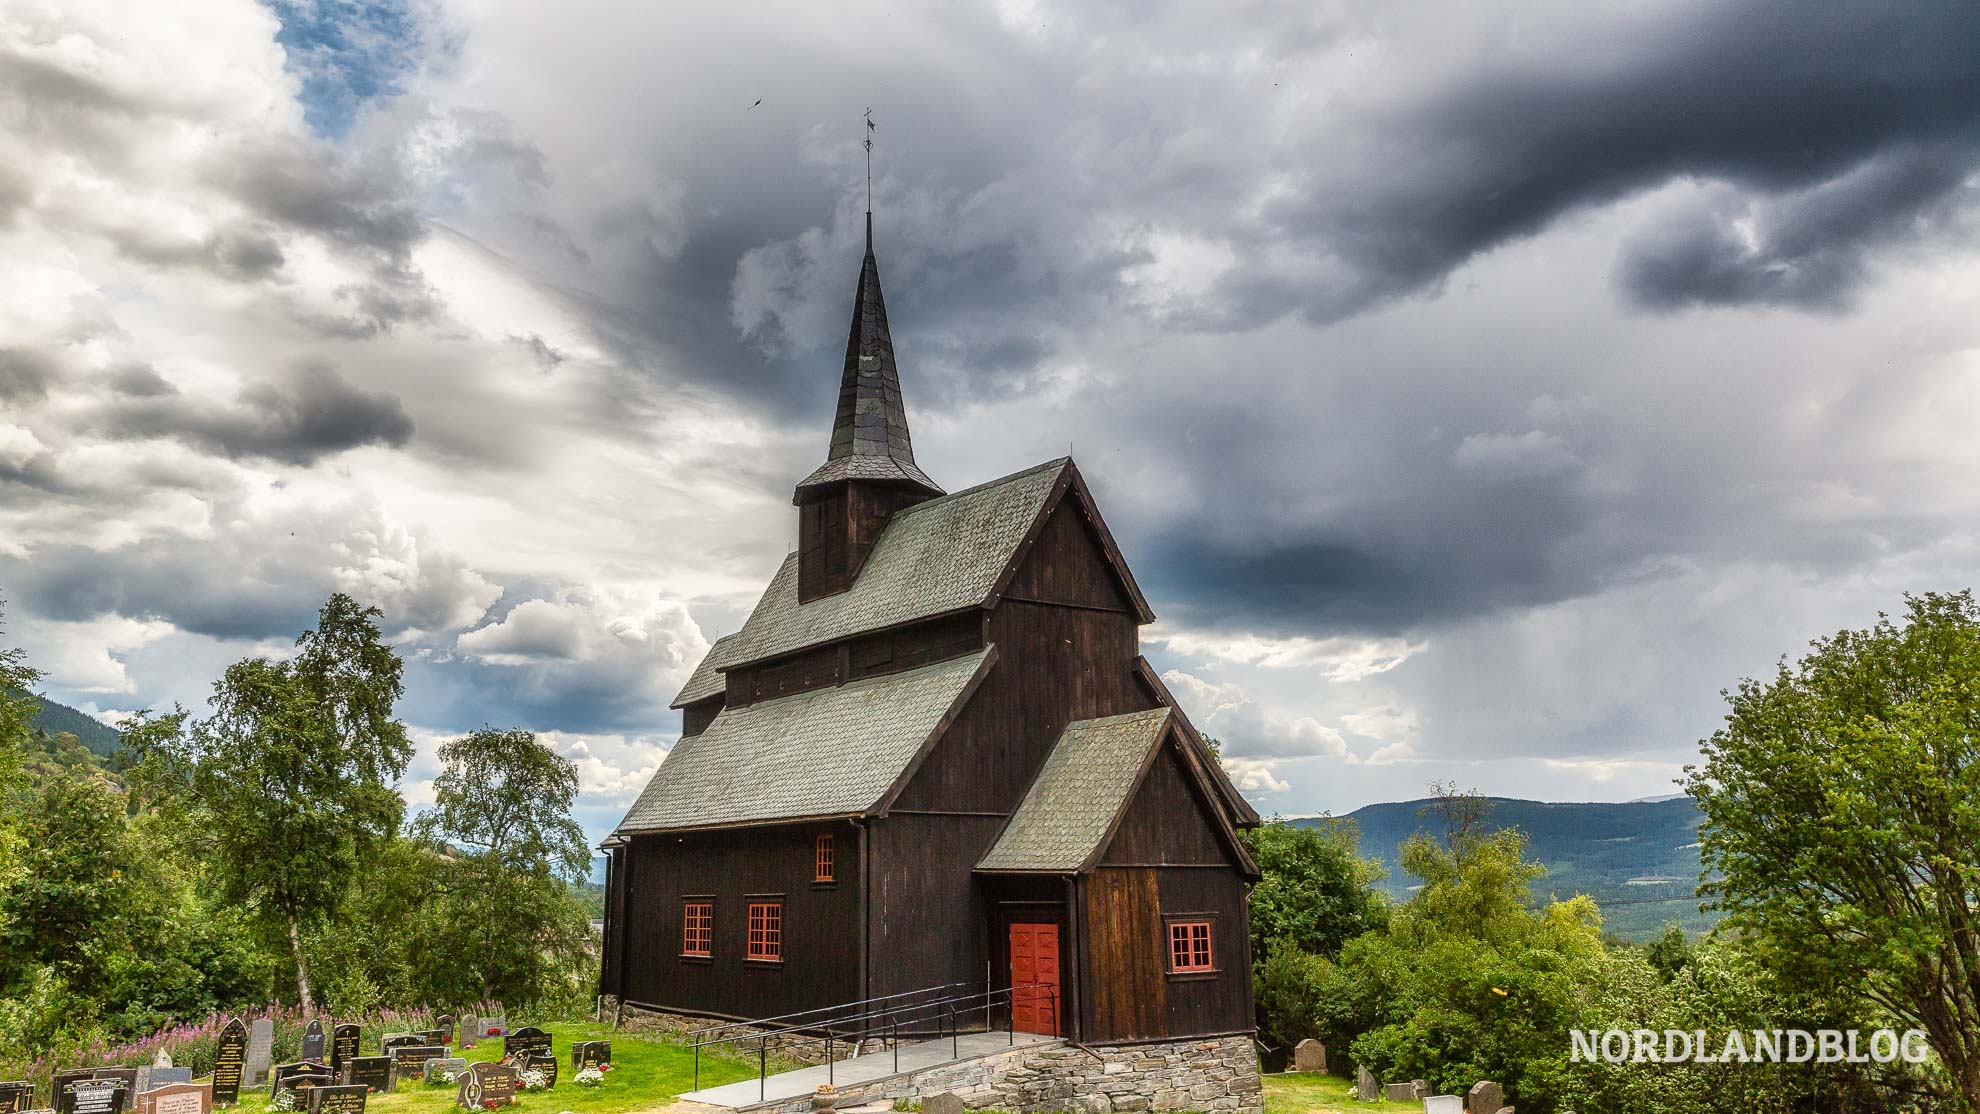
(1637, 859)
(100, 738)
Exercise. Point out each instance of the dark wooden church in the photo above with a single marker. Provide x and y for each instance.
(933, 755)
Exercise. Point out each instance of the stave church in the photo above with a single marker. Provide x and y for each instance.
(933, 757)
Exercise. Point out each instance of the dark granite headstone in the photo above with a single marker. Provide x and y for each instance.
(230, 1059)
(343, 1044)
(313, 1041)
(128, 1076)
(435, 1036)
(590, 1054)
(543, 1062)
(487, 1085)
(524, 1041)
(408, 1059)
(370, 1072)
(445, 1024)
(390, 1041)
(176, 1098)
(336, 1099)
(16, 1096)
(299, 1076)
(93, 1096)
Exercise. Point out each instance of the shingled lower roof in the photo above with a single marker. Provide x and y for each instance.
(827, 752)
(935, 557)
(706, 680)
(1084, 784)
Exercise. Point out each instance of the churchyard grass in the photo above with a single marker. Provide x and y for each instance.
(1308, 1092)
(646, 1075)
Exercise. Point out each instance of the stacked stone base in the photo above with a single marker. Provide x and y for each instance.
(1219, 1076)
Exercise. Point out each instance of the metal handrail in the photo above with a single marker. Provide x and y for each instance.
(889, 1018)
(824, 1009)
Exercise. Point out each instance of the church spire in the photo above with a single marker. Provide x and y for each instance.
(869, 431)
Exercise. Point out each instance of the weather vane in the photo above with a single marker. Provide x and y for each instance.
(869, 162)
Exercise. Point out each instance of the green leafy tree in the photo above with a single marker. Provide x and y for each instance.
(16, 710)
(295, 771)
(501, 827)
(1842, 808)
(1315, 892)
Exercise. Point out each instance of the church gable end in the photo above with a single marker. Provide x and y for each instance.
(1066, 564)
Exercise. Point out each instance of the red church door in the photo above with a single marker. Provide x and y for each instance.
(1035, 978)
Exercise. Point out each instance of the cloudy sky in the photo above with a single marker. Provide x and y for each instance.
(1475, 392)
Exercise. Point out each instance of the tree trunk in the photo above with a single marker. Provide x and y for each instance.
(302, 968)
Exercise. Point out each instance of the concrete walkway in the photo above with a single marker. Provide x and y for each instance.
(873, 1066)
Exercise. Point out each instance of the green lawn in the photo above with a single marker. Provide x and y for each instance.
(646, 1074)
(1314, 1093)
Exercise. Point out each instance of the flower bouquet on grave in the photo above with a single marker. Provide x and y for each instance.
(589, 1077)
(534, 1081)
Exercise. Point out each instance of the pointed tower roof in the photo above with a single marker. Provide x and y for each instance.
(870, 431)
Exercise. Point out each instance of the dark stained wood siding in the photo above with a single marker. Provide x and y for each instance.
(889, 651)
(869, 508)
(696, 717)
(615, 890)
(928, 916)
(1168, 821)
(1066, 564)
(823, 546)
(1054, 665)
(821, 921)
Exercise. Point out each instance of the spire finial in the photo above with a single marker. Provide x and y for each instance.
(869, 179)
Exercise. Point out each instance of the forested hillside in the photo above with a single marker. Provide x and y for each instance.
(1637, 859)
(58, 719)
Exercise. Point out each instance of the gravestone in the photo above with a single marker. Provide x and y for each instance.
(408, 1058)
(445, 1025)
(1444, 1104)
(299, 1076)
(390, 1041)
(492, 1026)
(590, 1054)
(487, 1085)
(434, 1036)
(161, 1059)
(60, 1081)
(373, 1073)
(443, 1069)
(948, 1102)
(93, 1096)
(337, 1099)
(1486, 1097)
(1419, 1088)
(151, 1079)
(544, 1062)
(313, 1039)
(1398, 1092)
(343, 1045)
(470, 1031)
(1365, 1087)
(176, 1098)
(229, 1063)
(1310, 1055)
(523, 1041)
(16, 1096)
(260, 1052)
(127, 1076)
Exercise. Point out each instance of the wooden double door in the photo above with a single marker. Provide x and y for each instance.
(1035, 991)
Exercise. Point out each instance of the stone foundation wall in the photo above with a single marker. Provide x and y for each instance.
(1219, 1076)
(789, 1047)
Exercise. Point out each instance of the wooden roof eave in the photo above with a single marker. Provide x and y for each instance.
(1245, 815)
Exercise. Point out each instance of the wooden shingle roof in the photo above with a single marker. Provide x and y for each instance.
(827, 752)
(1082, 787)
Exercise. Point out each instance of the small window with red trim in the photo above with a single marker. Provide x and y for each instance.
(823, 864)
(697, 928)
(1189, 947)
(766, 931)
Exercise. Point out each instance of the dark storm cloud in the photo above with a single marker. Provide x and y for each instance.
(1774, 99)
(250, 596)
(24, 375)
(299, 423)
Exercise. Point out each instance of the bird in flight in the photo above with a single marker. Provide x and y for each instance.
(759, 100)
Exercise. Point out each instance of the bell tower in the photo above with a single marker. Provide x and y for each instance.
(869, 470)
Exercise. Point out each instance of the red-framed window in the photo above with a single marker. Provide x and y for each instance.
(823, 864)
(1189, 946)
(766, 931)
(697, 928)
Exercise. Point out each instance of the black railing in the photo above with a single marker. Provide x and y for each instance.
(882, 1019)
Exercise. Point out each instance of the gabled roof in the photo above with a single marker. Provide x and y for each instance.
(827, 752)
(706, 680)
(1085, 783)
(933, 558)
(1212, 771)
(870, 431)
